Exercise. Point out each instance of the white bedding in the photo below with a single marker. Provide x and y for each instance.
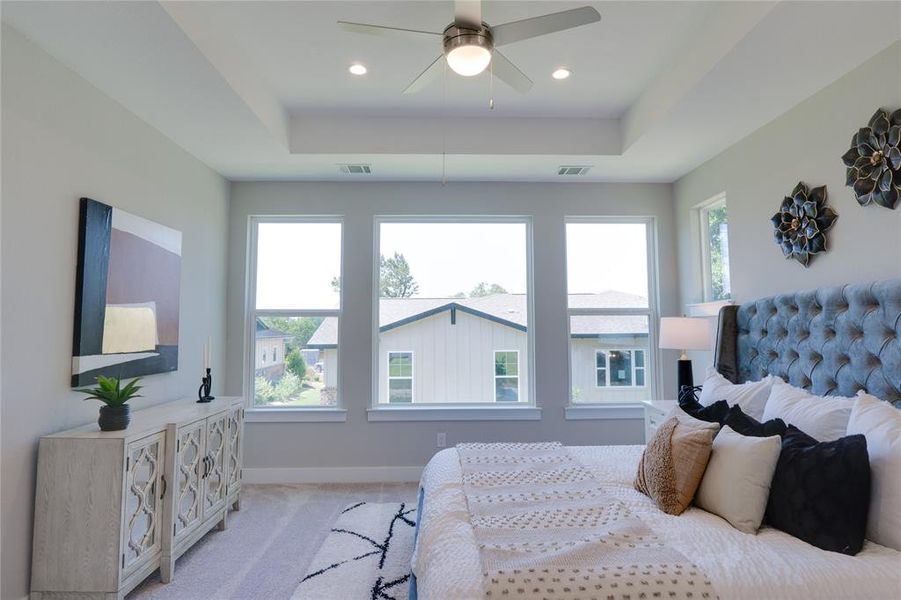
(768, 565)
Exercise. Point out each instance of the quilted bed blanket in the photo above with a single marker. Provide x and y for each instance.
(545, 528)
(448, 559)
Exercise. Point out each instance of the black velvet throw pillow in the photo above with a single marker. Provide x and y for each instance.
(715, 413)
(821, 491)
(748, 425)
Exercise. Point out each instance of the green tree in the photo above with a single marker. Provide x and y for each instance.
(716, 236)
(295, 363)
(395, 279)
(486, 289)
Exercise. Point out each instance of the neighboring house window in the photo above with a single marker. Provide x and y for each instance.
(611, 303)
(600, 361)
(714, 228)
(295, 300)
(450, 291)
(506, 376)
(620, 368)
(400, 377)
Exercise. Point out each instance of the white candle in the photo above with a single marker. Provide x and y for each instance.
(209, 349)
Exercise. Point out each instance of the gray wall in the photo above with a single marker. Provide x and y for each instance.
(63, 139)
(358, 443)
(804, 144)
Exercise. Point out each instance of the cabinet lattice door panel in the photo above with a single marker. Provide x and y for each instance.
(188, 483)
(143, 508)
(216, 479)
(235, 448)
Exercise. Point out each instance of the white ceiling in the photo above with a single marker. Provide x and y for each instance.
(303, 57)
(260, 90)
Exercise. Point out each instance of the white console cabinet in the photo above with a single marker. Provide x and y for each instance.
(112, 507)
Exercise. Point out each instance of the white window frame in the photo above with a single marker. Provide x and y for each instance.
(280, 413)
(459, 411)
(412, 377)
(618, 409)
(635, 368)
(496, 377)
(703, 210)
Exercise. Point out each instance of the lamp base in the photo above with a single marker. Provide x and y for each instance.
(685, 377)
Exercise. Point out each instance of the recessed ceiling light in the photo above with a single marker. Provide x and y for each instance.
(561, 73)
(357, 69)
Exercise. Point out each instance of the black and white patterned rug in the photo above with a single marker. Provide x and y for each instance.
(366, 556)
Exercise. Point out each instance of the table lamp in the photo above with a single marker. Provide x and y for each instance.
(684, 333)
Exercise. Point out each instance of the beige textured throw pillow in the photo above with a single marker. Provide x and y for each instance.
(673, 462)
(736, 485)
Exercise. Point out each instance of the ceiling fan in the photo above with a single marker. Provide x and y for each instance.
(470, 44)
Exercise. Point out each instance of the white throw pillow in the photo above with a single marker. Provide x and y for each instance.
(880, 423)
(824, 418)
(736, 484)
(750, 397)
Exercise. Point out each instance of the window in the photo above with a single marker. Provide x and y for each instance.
(714, 227)
(295, 270)
(454, 294)
(400, 377)
(620, 368)
(506, 376)
(611, 302)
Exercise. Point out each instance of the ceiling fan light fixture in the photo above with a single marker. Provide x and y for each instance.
(561, 73)
(357, 69)
(468, 60)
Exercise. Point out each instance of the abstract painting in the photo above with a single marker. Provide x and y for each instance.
(126, 298)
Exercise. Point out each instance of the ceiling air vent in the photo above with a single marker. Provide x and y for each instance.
(360, 169)
(573, 169)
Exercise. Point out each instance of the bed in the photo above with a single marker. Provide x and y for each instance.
(831, 341)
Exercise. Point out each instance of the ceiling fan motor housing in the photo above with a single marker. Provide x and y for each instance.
(456, 36)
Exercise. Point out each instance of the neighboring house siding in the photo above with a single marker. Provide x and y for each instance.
(584, 373)
(330, 367)
(265, 365)
(453, 363)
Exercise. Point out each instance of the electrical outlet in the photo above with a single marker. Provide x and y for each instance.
(441, 442)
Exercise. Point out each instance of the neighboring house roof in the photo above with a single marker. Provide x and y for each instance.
(506, 309)
(264, 331)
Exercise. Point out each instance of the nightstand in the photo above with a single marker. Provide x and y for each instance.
(655, 413)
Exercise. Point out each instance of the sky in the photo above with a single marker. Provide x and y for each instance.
(297, 261)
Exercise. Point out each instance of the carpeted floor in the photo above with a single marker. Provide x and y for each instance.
(269, 543)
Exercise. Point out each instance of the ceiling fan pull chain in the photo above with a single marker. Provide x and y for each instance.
(444, 128)
(491, 85)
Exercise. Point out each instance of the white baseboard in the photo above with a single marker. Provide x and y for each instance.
(332, 474)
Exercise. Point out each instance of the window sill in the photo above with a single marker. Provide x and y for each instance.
(295, 415)
(455, 413)
(590, 412)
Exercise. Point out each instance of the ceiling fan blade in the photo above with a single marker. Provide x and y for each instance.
(509, 73)
(383, 31)
(426, 77)
(468, 13)
(529, 28)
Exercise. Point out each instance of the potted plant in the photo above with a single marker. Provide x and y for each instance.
(114, 416)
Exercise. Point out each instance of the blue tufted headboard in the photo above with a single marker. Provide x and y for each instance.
(831, 341)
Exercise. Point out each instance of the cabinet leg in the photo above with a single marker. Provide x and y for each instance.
(236, 505)
(222, 524)
(167, 567)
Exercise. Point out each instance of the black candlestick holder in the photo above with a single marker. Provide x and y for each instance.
(203, 392)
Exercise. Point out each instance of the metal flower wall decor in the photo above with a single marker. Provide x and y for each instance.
(874, 160)
(802, 222)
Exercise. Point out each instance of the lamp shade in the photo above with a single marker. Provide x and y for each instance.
(684, 333)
